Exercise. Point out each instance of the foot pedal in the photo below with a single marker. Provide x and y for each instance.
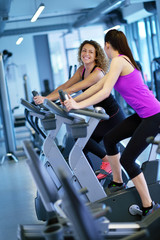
(135, 210)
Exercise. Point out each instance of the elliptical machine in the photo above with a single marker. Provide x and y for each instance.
(123, 203)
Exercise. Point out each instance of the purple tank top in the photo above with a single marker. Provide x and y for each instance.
(137, 94)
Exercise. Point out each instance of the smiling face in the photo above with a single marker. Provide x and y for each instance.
(88, 54)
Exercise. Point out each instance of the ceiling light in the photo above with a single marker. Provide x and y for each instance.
(20, 39)
(38, 12)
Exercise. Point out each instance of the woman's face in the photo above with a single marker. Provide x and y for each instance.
(88, 54)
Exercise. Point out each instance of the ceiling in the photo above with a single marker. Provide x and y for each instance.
(15, 15)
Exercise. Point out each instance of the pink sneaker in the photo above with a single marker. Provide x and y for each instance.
(105, 170)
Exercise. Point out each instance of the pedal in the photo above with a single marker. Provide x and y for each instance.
(135, 210)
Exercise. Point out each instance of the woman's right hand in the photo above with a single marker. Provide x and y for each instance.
(38, 100)
(71, 103)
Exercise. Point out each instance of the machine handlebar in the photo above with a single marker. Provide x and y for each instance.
(96, 113)
(63, 95)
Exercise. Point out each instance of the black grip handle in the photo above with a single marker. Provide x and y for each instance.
(35, 93)
(63, 95)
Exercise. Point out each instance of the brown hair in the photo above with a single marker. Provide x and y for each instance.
(119, 42)
(101, 59)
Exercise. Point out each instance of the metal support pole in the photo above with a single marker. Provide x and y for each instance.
(8, 126)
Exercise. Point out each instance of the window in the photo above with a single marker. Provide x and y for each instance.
(64, 49)
(58, 57)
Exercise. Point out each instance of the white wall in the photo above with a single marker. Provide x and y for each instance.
(23, 61)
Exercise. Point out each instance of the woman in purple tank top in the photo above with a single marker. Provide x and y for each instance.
(125, 76)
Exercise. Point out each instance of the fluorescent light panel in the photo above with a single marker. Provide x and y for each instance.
(38, 12)
(20, 39)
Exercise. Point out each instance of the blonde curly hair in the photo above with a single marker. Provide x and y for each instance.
(101, 59)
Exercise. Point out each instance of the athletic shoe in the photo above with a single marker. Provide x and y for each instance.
(105, 170)
(112, 188)
(153, 209)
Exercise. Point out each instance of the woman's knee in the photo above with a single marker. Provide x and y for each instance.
(110, 145)
(131, 167)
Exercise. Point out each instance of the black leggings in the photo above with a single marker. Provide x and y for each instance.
(138, 129)
(101, 130)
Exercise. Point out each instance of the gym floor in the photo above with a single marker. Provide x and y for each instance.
(17, 193)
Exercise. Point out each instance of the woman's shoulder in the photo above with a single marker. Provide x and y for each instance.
(99, 69)
(122, 57)
(120, 62)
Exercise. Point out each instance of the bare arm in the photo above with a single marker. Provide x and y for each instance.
(90, 91)
(73, 84)
(54, 95)
(72, 81)
(104, 87)
(93, 78)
